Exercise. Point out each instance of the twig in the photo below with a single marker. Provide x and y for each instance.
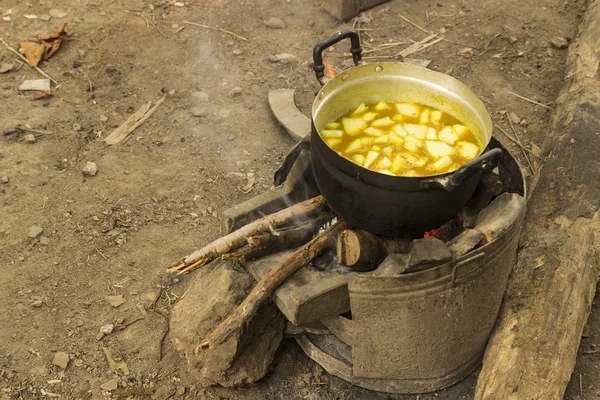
(531, 101)
(444, 39)
(423, 44)
(90, 83)
(215, 29)
(580, 386)
(515, 141)
(35, 131)
(103, 256)
(522, 146)
(24, 59)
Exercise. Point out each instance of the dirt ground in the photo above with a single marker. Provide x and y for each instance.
(159, 195)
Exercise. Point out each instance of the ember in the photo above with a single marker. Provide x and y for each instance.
(329, 72)
(430, 233)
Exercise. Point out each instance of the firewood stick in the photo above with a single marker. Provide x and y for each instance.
(268, 243)
(269, 282)
(362, 250)
(236, 239)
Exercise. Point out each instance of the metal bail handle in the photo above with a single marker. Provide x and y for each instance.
(355, 49)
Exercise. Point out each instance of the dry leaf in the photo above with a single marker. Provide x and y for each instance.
(43, 94)
(6, 67)
(536, 150)
(34, 52)
(59, 34)
(52, 47)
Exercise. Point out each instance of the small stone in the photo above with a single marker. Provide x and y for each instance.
(281, 57)
(90, 169)
(45, 18)
(512, 39)
(115, 301)
(35, 231)
(61, 359)
(426, 253)
(107, 329)
(179, 4)
(5, 179)
(6, 67)
(44, 240)
(37, 304)
(236, 91)
(29, 138)
(99, 336)
(79, 323)
(275, 23)
(231, 137)
(224, 113)
(514, 118)
(103, 118)
(394, 264)
(54, 13)
(110, 385)
(201, 97)
(6, 19)
(559, 42)
(76, 127)
(180, 391)
(237, 52)
(199, 112)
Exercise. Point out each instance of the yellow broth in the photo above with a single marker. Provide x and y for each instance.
(402, 139)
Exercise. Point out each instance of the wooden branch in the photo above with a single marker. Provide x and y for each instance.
(533, 350)
(269, 282)
(364, 251)
(239, 238)
(268, 243)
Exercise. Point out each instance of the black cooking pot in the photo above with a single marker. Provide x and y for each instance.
(384, 204)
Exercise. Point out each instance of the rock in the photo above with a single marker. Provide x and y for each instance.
(199, 112)
(45, 18)
(76, 127)
(107, 329)
(35, 84)
(275, 23)
(224, 113)
(44, 240)
(103, 118)
(54, 13)
(237, 52)
(559, 42)
(281, 57)
(90, 169)
(29, 138)
(514, 118)
(464, 242)
(394, 264)
(61, 359)
(200, 97)
(110, 385)
(6, 67)
(500, 215)
(37, 304)
(35, 231)
(426, 253)
(512, 39)
(115, 301)
(5, 179)
(236, 91)
(180, 391)
(245, 357)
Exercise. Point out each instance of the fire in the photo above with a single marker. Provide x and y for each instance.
(430, 233)
(329, 72)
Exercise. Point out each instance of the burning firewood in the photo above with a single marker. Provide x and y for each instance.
(362, 250)
(240, 237)
(271, 281)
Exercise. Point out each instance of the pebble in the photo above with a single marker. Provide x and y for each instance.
(5, 179)
(275, 23)
(37, 304)
(236, 91)
(201, 97)
(224, 113)
(90, 169)
(45, 18)
(559, 42)
(231, 137)
(44, 240)
(103, 118)
(29, 138)
(180, 391)
(35, 231)
(199, 112)
(61, 359)
(54, 13)
(76, 127)
(237, 52)
(107, 329)
(281, 57)
(110, 385)
(513, 39)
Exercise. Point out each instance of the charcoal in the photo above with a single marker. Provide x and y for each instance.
(426, 253)
(489, 187)
(394, 264)
(500, 215)
(464, 242)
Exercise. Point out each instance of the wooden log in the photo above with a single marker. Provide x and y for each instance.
(363, 251)
(532, 352)
(238, 238)
(269, 282)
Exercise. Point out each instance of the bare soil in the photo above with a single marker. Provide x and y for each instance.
(159, 195)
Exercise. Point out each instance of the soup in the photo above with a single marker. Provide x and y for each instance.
(402, 139)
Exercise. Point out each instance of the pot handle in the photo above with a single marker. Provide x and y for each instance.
(355, 49)
(486, 162)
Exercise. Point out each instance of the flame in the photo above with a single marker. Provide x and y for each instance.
(329, 72)
(431, 233)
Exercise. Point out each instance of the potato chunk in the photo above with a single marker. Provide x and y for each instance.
(461, 130)
(373, 131)
(399, 130)
(384, 163)
(354, 126)
(412, 147)
(355, 146)
(436, 115)
(383, 139)
(395, 139)
(370, 116)
(358, 159)
(418, 131)
(382, 106)
(424, 117)
(448, 135)
(332, 142)
(382, 122)
(438, 149)
(330, 133)
(408, 109)
(371, 158)
(431, 134)
(333, 125)
(359, 110)
(440, 166)
(467, 150)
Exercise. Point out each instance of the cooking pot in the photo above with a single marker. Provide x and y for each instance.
(383, 204)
